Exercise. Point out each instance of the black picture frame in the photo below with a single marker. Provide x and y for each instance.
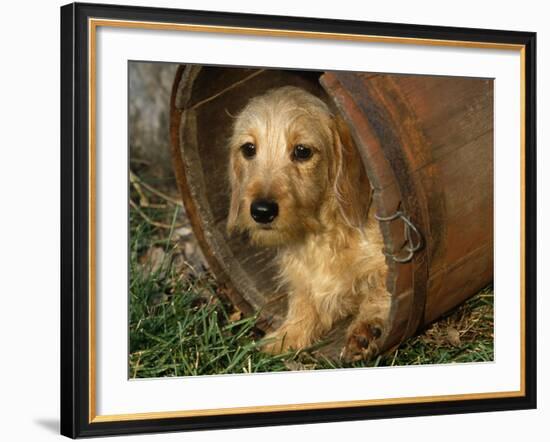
(75, 194)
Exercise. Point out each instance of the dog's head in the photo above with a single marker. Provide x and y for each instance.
(293, 169)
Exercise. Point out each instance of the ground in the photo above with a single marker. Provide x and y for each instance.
(179, 326)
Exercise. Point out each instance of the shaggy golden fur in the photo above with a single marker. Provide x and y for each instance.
(329, 245)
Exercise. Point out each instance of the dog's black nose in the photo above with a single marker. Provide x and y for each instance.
(264, 211)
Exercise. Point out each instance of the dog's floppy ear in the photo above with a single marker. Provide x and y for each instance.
(352, 188)
(234, 202)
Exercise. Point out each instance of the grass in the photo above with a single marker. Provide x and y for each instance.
(180, 326)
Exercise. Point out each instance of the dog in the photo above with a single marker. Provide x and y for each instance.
(298, 185)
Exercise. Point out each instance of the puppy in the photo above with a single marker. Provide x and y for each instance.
(298, 184)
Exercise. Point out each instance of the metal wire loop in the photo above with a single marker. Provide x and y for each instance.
(412, 235)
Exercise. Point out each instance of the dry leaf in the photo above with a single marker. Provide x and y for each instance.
(235, 316)
(182, 233)
(153, 260)
(159, 298)
(453, 337)
(295, 366)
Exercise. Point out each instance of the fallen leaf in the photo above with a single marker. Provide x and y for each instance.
(295, 366)
(235, 316)
(182, 233)
(453, 337)
(159, 298)
(152, 261)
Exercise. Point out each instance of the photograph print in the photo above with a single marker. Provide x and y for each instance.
(286, 220)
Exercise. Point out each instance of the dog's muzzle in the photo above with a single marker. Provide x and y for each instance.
(264, 211)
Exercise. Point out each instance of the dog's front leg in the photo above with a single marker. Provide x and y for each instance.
(300, 329)
(369, 327)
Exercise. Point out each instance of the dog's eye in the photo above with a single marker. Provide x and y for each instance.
(248, 150)
(301, 152)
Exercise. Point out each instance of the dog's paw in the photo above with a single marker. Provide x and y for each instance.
(362, 341)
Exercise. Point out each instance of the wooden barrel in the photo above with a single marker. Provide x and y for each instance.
(427, 146)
